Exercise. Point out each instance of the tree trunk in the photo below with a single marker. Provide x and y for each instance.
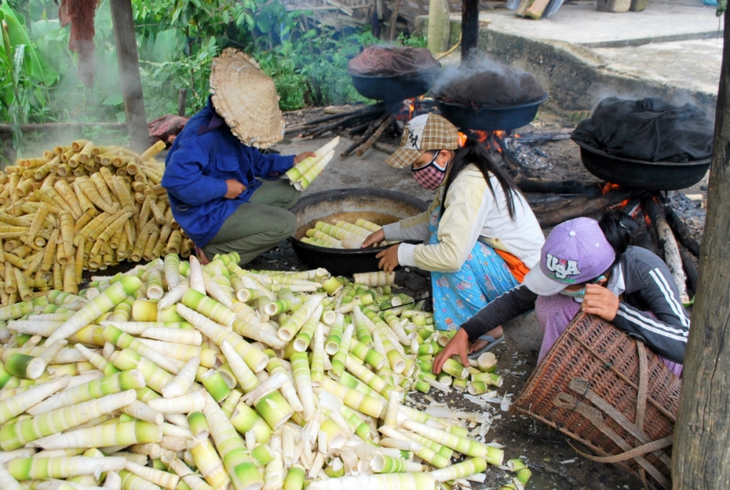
(128, 62)
(702, 434)
(438, 26)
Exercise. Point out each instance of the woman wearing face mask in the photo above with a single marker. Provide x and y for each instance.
(479, 235)
(588, 265)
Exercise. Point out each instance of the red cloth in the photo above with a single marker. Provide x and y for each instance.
(377, 61)
(80, 13)
(166, 128)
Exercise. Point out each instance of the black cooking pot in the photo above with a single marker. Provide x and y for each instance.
(395, 88)
(490, 118)
(376, 205)
(640, 174)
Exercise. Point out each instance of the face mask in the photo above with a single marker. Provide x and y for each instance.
(581, 292)
(430, 176)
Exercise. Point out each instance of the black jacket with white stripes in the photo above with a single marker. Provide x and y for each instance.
(649, 288)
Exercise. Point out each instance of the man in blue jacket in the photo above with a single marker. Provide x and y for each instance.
(225, 194)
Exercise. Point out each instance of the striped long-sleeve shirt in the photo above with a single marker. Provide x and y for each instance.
(649, 308)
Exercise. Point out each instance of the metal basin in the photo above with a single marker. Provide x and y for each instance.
(640, 174)
(490, 118)
(376, 205)
(395, 88)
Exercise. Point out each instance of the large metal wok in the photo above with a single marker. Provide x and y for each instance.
(395, 88)
(640, 174)
(490, 118)
(376, 205)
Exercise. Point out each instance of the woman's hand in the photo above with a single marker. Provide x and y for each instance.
(388, 258)
(235, 189)
(458, 345)
(374, 238)
(600, 301)
(304, 155)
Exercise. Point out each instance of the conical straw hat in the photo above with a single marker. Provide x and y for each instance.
(246, 98)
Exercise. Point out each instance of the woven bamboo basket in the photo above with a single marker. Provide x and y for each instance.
(609, 392)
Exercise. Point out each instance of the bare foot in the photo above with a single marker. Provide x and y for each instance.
(201, 256)
(480, 343)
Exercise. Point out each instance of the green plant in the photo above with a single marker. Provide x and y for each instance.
(412, 41)
(26, 75)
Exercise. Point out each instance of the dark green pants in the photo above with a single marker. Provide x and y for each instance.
(259, 224)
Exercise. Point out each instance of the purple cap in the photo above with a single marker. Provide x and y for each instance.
(575, 252)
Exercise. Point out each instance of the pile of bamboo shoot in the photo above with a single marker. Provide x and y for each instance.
(341, 234)
(80, 207)
(182, 376)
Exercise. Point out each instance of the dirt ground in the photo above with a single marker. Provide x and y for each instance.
(548, 452)
(554, 463)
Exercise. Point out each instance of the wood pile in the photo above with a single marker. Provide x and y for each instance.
(366, 124)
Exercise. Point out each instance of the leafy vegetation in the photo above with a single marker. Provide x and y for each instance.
(177, 41)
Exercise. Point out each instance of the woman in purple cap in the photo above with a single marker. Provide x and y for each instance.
(588, 265)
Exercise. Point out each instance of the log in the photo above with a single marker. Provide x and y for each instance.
(546, 136)
(590, 207)
(702, 430)
(366, 146)
(316, 132)
(557, 187)
(550, 206)
(182, 96)
(310, 126)
(684, 234)
(128, 61)
(511, 159)
(544, 199)
(385, 147)
(439, 26)
(690, 268)
(669, 244)
(469, 28)
(359, 128)
(393, 20)
(373, 126)
(369, 109)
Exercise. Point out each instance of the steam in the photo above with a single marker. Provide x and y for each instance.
(477, 63)
(676, 98)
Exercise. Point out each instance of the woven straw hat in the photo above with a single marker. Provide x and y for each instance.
(246, 98)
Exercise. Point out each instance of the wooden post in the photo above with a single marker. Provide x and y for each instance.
(469, 27)
(128, 62)
(182, 95)
(393, 20)
(702, 432)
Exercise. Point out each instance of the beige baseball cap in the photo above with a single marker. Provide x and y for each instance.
(424, 133)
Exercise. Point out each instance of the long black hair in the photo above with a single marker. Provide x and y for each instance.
(474, 152)
(617, 227)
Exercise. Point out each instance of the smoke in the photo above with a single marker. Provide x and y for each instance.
(676, 97)
(477, 62)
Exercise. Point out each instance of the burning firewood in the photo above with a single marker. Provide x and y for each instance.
(684, 234)
(591, 206)
(669, 244)
(690, 268)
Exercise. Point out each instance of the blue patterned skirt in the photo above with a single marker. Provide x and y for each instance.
(458, 296)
